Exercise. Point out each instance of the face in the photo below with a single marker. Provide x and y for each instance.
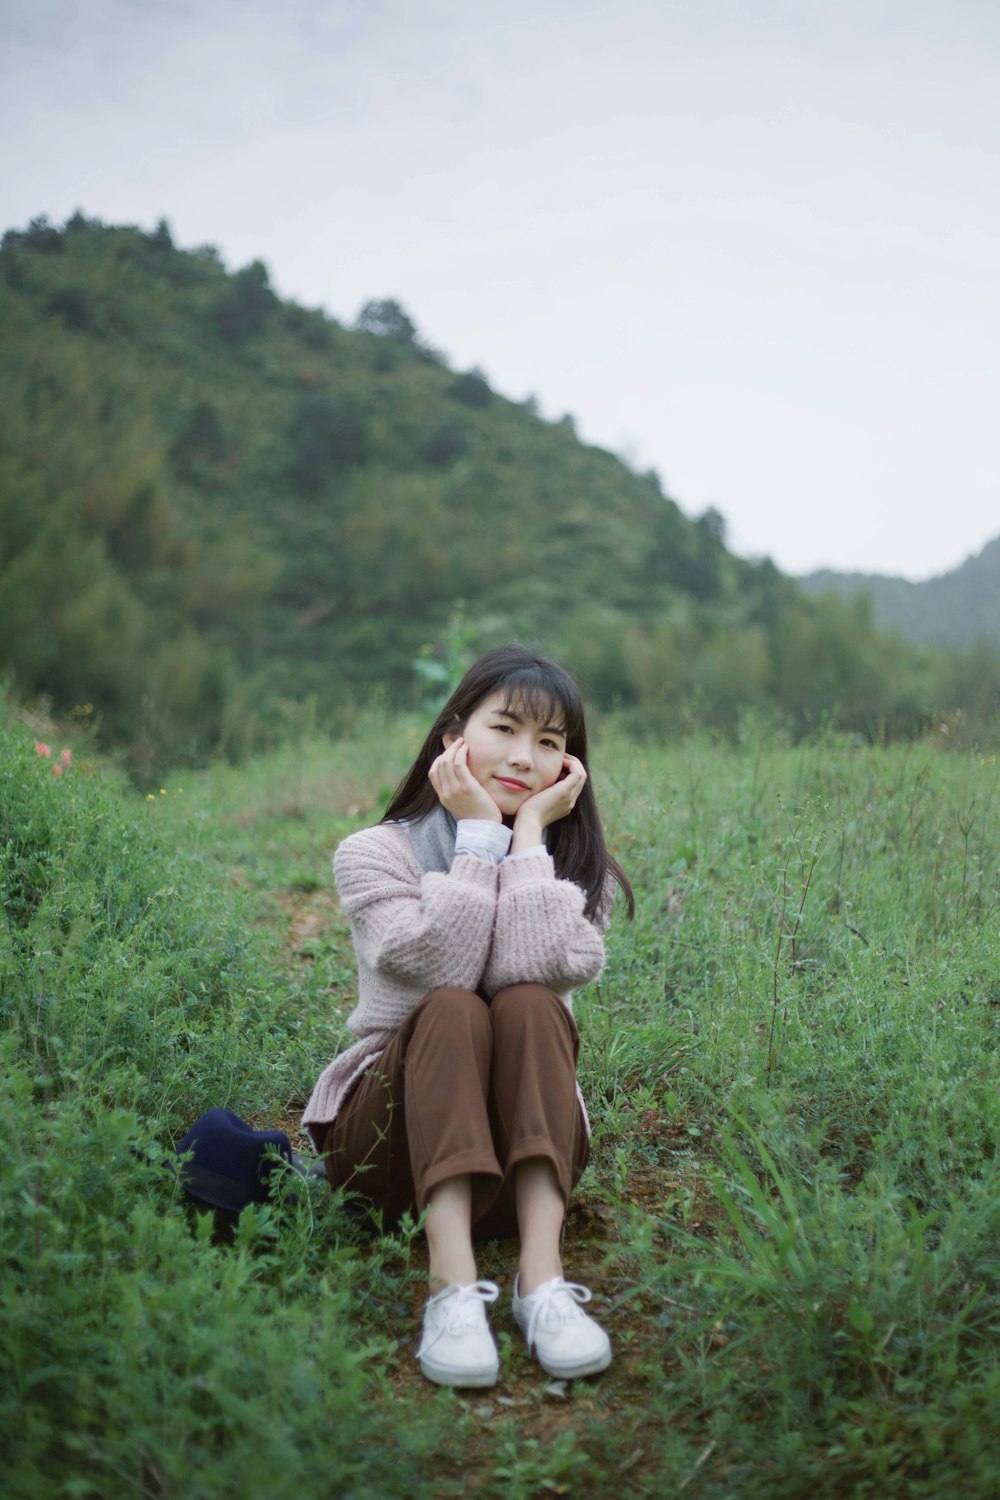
(510, 755)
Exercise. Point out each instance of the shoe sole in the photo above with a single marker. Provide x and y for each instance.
(442, 1375)
(579, 1368)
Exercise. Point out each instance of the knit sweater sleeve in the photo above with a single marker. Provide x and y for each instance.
(416, 928)
(541, 934)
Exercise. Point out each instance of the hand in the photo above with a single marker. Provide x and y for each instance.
(548, 806)
(458, 790)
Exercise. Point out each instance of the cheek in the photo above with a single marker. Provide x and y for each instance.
(552, 773)
(474, 763)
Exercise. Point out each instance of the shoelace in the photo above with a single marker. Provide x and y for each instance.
(553, 1303)
(464, 1308)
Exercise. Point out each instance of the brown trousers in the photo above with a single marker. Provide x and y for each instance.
(464, 1087)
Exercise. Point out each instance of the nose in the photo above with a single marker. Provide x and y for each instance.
(521, 753)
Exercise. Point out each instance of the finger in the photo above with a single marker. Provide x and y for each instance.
(462, 768)
(575, 778)
(457, 755)
(440, 770)
(449, 779)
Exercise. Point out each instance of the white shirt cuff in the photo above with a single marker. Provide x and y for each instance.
(483, 839)
(535, 849)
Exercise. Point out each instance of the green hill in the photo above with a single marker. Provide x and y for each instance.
(213, 503)
(954, 609)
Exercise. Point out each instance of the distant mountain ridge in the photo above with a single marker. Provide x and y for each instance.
(954, 609)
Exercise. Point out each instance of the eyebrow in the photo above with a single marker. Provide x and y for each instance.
(506, 713)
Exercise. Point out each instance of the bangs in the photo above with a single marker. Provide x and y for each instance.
(531, 695)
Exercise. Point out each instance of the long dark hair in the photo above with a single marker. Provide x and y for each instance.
(537, 688)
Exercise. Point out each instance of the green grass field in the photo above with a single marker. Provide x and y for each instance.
(791, 1220)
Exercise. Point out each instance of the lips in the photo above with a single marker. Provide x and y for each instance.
(512, 782)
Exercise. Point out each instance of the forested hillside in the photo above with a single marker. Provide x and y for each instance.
(213, 503)
(955, 609)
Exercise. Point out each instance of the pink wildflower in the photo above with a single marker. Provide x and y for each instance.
(41, 748)
(57, 769)
(66, 756)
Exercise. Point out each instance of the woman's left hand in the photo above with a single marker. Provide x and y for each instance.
(548, 806)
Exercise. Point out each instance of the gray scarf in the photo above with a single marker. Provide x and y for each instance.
(432, 839)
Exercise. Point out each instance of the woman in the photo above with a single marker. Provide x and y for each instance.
(476, 905)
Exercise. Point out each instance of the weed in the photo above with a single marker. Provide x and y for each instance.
(791, 1211)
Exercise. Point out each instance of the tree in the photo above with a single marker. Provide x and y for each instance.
(200, 444)
(386, 319)
(713, 523)
(472, 389)
(324, 436)
(73, 305)
(246, 303)
(161, 238)
(42, 235)
(448, 441)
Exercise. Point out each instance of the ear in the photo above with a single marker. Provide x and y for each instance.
(448, 739)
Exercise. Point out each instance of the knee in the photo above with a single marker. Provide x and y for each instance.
(450, 1004)
(526, 1005)
(530, 1020)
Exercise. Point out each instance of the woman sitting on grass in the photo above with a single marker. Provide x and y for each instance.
(476, 905)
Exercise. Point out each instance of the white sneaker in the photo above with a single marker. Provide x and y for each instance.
(457, 1347)
(565, 1341)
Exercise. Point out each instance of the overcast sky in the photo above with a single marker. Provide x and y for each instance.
(754, 246)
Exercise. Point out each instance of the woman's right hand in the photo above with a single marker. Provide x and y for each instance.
(458, 790)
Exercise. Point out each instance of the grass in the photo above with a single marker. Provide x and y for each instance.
(790, 1220)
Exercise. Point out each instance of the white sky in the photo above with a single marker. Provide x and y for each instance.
(754, 246)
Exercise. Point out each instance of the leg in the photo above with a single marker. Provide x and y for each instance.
(446, 1084)
(543, 1144)
(446, 1078)
(420, 1122)
(540, 1214)
(536, 1116)
(449, 1233)
(419, 1118)
(534, 1025)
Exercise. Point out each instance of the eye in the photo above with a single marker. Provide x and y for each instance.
(503, 729)
(550, 744)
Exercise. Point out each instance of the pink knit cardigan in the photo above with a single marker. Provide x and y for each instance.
(481, 926)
